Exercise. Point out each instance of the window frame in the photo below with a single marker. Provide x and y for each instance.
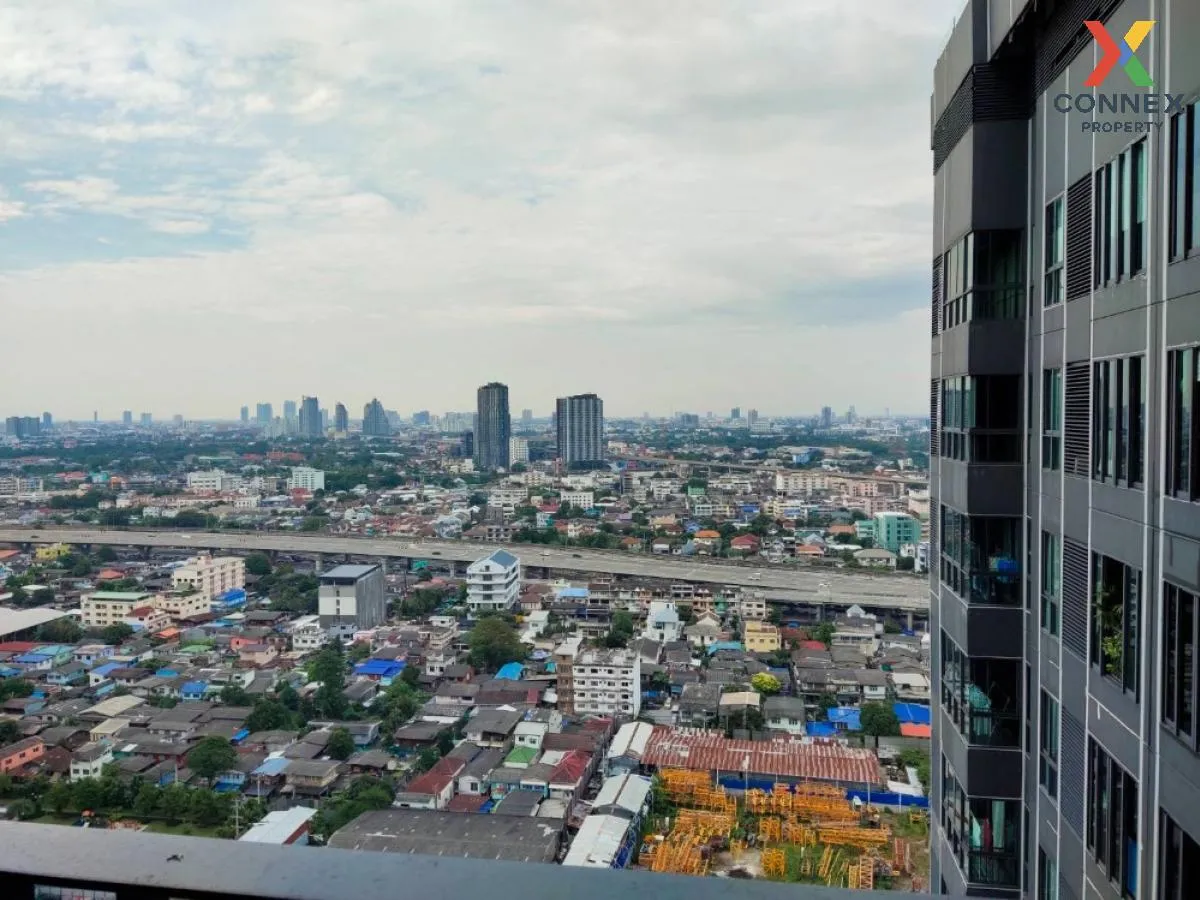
(1052, 419)
(1183, 424)
(1054, 248)
(1121, 195)
(1049, 743)
(1184, 191)
(1051, 583)
(1125, 670)
(1112, 819)
(1118, 425)
(1180, 665)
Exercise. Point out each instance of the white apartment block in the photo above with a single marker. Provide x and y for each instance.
(801, 483)
(210, 576)
(179, 606)
(494, 582)
(508, 499)
(20, 486)
(304, 478)
(308, 635)
(518, 450)
(105, 608)
(662, 488)
(579, 499)
(752, 606)
(213, 481)
(608, 683)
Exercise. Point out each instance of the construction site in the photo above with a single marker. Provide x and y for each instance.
(799, 832)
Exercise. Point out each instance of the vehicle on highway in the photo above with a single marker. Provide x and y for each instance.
(187, 536)
(545, 553)
(437, 552)
(577, 556)
(755, 576)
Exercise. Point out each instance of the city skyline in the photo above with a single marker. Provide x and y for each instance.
(209, 208)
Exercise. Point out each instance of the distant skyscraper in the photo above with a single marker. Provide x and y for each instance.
(851, 416)
(245, 415)
(127, 417)
(178, 420)
(527, 415)
(310, 417)
(375, 420)
(147, 420)
(493, 427)
(752, 416)
(263, 414)
(421, 419)
(341, 419)
(468, 444)
(47, 421)
(826, 416)
(289, 409)
(23, 426)
(324, 420)
(735, 413)
(690, 420)
(580, 427)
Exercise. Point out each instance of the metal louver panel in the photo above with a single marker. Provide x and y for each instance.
(1072, 774)
(954, 121)
(935, 396)
(937, 296)
(1077, 419)
(1079, 239)
(1075, 597)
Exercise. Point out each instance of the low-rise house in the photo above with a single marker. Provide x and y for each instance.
(257, 654)
(876, 558)
(24, 752)
(67, 674)
(473, 777)
(89, 761)
(704, 632)
(492, 727)
(699, 705)
(874, 685)
(910, 687)
(761, 637)
(535, 725)
(627, 748)
(310, 778)
(785, 714)
(432, 789)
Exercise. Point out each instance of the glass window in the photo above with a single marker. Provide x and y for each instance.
(1047, 877)
(994, 850)
(1116, 610)
(1181, 424)
(1055, 252)
(1048, 757)
(1181, 616)
(1118, 416)
(983, 278)
(1121, 203)
(1112, 815)
(1052, 400)
(1180, 862)
(1183, 206)
(1051, 580)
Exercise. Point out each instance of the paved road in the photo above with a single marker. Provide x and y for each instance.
(836, 587)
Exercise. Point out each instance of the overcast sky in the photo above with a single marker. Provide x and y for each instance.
(682, 205)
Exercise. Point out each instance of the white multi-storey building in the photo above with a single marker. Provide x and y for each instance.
(795, 483)
(111, 607)
(213, 481)
(308, 635)
(608, 683)
(579, 499)
(304, 478)
(210, 576)
(507, 498)
(494, 582)
(518, 450)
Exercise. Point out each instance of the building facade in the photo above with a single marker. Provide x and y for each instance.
(1065, 468)
(493, 583)
(579, 421)
(341, 418)
(104, 608)
(210, 576)
(310, 417)
(894, 529)
(304, 478)
(351, 598)
(607, 683)
(493, 428)
(375, 420)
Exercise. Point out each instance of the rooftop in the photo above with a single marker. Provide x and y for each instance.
(452, 834)
(348, 571)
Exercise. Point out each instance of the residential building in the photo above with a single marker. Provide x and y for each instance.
(375, 420)
(564, 671)
(579, 421)
(584, 500)
(894, 529)
(264, 414)
(149, 619)
(212, 481)
(210, 576)
(351, 598)
(310, 417)
(1064, 454)
(518, 450)
(308, 635)
(761, 637)
(22, 753)
(182, 606)
(662, 622)
(493, 582)
(608, 683)
(103, 608)
(90, 759)
(341, 418)
(786, 714)
(493, 428)
(304, 478)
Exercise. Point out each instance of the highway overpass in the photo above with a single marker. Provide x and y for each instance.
(793, 584)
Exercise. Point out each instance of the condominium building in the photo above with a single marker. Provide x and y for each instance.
(894, 529)
(103, 608)
(1065, 463)
(493, 428)
(183, 606)
(608, 683)
(375, 420)
(518, 450)
(210, 576)
(351, 598)
(579, 499)
(493, 582)
(212, 481)
(564, 672)
(579, 421)
(341, 418)
(310, 417)
(304, 478)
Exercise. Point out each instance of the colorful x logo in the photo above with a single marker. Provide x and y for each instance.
(1120, 53)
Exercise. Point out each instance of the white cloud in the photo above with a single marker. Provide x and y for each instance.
(606, 175)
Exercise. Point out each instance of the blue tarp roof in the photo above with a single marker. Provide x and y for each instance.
(382, 667)
(272, 766)
(574, 593)
(241, 735)
(723, 645)
(32, 658)
(820, 729)
(512, 671)
(503, 557)
(914, 713)
(848, 716)
(194, 687)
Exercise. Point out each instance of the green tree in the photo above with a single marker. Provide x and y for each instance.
(826, 702)
(289, 697)
(61, 631)
(115, 633)
(359, 651)
(493, 643)
(269, 715)
(258, 564)
(824, 633)
(60, 797)
(411, 676)
(212, 756)
(328, 668)
(175, 802)
(765, 683)
(147, 800)
(105, 554)
(905, 564)
(879, 720)
(10, 732)
(341, 744)
(81, 567)
(14, 687)
(235, 695)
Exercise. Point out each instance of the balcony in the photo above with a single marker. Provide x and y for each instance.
(37, 859)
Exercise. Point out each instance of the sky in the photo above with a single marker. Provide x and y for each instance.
(681, 205)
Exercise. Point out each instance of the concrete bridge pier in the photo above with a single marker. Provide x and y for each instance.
(318, 563)
(909, 617)
(383, 564)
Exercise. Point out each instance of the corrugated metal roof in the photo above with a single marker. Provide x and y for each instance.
(631, 740)
(711, 751)
(598, 842)
(627, 792)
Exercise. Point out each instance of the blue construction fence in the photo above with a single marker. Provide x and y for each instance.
(877, 798)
